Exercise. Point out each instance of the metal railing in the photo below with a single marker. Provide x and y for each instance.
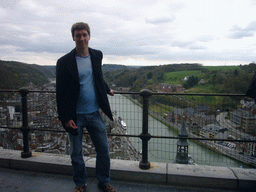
(218, 125)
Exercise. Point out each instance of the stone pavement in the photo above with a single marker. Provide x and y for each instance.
(27, 181)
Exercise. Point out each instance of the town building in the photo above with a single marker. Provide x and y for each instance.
(214, 131)
(245, 120)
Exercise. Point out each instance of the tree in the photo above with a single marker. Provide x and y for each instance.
(235, 72)
(149, 75)
(191, 82)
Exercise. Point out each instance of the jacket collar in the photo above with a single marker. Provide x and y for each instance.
(73, 65)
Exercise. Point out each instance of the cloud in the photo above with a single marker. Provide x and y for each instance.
(239, 33)
(160, 20)
(152, 30)
(8, 4)
(205, 38)
(190, 45)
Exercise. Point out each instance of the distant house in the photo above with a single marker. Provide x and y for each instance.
(167, 88)
(213, 131)
(188, 111)
(201, 82)
(202, 108)
(249, 106)
(252, 149)
(186, 78)
(245, 119)
(123, 88)
(223, 133)
(183, 113)
(201, 119)
(11, 111)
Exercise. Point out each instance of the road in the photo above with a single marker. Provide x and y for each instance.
(231, 127)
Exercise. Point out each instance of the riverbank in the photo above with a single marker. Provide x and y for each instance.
(121, 147)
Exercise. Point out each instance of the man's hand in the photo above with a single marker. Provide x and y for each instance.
(111, 92)
(71, 124)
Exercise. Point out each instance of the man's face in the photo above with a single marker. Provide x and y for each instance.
(81, 37)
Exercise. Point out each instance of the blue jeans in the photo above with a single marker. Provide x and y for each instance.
(98, 133)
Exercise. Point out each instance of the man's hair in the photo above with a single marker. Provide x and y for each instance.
(79, 26)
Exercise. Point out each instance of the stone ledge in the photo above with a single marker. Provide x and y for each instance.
(202, 176)
(162, 173)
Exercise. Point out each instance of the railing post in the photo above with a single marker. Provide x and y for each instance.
(145, 136)
(25, 128)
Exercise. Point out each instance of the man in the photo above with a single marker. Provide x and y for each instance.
(80, 91)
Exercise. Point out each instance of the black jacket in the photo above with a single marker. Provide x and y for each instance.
(68, 86)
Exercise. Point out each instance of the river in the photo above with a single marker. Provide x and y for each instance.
(163, 150)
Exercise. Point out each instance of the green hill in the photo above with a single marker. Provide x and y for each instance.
(217, 79)
(15, 75)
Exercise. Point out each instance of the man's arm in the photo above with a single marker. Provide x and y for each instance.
(251, 91)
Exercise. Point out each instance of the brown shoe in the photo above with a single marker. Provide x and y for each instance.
(80, 188)
(106, 188)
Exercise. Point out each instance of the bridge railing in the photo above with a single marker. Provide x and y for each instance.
(221, 127)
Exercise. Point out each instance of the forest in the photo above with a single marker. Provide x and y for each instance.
(15, 75)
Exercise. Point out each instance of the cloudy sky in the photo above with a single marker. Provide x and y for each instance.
(132, 32)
